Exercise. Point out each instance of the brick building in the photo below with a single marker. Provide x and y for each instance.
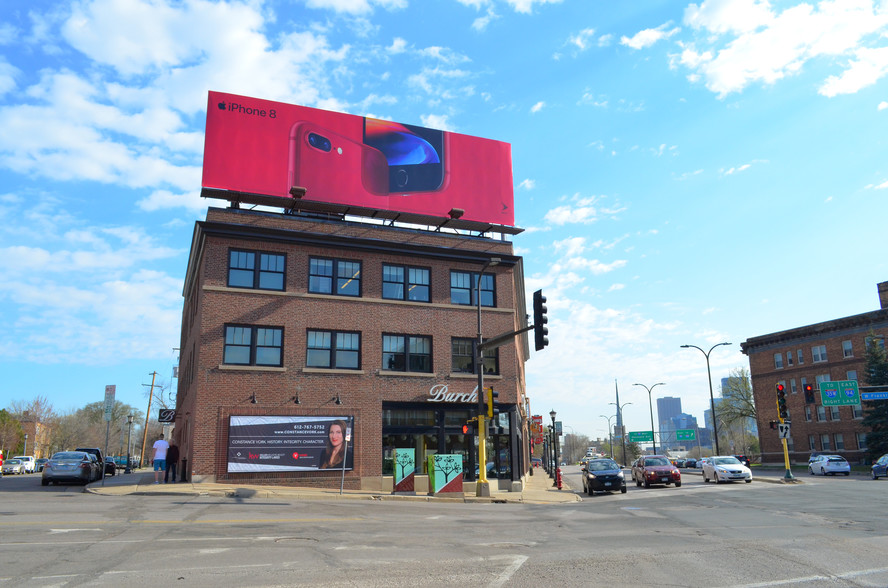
(300, 315)
(829, 351)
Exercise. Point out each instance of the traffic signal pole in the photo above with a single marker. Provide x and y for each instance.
(783, 415)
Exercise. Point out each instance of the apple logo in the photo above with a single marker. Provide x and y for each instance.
(221, 106)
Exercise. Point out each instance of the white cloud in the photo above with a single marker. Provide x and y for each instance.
(436, 121)
(398, 45)
(647, 37)
(526, 6)
(583, 210)
(355, 6)
(582, 40)
(882, 105)
(537, 107)
(748, 41)
(527, 184)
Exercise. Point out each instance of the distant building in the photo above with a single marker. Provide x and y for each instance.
(828, 351)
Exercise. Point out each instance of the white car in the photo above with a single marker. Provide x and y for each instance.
(725, 468)
(829, 464)
(13, 466)
(29, 461)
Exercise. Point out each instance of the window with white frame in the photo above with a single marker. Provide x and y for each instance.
(808, 413)
(856, 412)
(861, 441)
(851, 375)
(801, 356)
(789, 358)
(818, 353)
(834, 413)
(847, 349)
(792, 386)
(812, 442)
(821, 413)
(778, 361)
(840, 441)
(824, 442)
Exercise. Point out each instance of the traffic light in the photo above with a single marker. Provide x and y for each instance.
(809, 393)
(469, 427)
(773, 424)
(540, 331)
(782, 412)
(491, 401)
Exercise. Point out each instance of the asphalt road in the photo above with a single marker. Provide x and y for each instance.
(823, 532)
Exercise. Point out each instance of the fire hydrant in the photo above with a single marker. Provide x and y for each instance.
(558, 478)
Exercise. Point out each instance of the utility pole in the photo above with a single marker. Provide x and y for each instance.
(147, 416)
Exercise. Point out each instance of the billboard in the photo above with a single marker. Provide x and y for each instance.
(289, 443)
(262, 147)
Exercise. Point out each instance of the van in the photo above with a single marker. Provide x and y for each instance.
(29, 461)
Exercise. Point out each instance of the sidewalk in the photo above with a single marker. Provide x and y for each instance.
(537, 490)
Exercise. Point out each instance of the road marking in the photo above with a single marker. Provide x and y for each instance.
(506, 574)
(842, 576)
(182, 522)
(53, 531)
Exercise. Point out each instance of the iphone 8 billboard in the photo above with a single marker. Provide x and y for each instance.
(263, 147)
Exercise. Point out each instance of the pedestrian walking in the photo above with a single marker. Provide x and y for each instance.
(160, 453)
(172, 459)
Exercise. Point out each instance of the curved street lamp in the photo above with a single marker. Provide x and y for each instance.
(610, 432)
(622, 426)
(650, 404)
(711, 398)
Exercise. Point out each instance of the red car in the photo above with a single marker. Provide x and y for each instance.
(655, 469)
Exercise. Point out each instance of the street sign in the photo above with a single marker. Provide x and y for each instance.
(874, 395)
(109, 401)
(783, 431)
(685, 435)
(839, 393)
(641, 436)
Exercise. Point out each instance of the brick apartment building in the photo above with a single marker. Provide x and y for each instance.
(291, 315)
(829, 351)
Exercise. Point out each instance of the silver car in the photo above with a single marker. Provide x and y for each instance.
(13, 466)
(70, 466)
(829, 464)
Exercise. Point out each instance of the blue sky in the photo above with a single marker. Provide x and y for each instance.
(687, 173)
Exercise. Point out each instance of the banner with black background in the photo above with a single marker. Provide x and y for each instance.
(281, 443)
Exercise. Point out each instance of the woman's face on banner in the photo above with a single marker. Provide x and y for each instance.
(336, 435)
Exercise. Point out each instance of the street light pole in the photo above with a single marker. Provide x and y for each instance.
(650, 404)
(711, 397)
(129, 434)
(555, 445)
(610, 432)
(482, 486)
(622, 427)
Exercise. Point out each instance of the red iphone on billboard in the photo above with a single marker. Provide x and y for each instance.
(415, 155)
(321, 159)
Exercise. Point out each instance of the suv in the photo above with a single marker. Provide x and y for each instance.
(28, 461)
(99, 458)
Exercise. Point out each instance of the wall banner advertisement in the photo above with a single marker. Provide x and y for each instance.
(289, 443)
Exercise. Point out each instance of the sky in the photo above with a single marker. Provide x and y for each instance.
(685, 173)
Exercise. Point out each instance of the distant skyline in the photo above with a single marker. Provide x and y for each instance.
(684, 172)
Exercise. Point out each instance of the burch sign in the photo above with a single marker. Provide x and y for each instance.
(266, 148)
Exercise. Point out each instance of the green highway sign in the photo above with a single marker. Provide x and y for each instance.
(839, 393)
(641, 436)
(685, 435)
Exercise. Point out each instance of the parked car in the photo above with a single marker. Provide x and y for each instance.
(880, 467)
(13, 466)
(813, 456)
(725, 468)
(655, 469)
(70, 466)
(39, 463)
(744, 460)
(100, 459)
(110, 466)
(829, 464)
(29, 461)
(603, 475)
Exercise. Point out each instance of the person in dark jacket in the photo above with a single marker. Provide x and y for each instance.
(172, 460)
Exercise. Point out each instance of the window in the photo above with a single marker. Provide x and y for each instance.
(243, 272)
(407, 353)
(778, 361)
(840, 441)
(801, 356)
(824, 442)
(789, 358)
(851, 375)
(463, 286)
(807, 413)
(818, 353)
(250, 345)
(462, 357)
(834, 413)
(861, 441)
(879, 340)
(405, 283)
(333, 349)
(792, 386)
(812, 442)
(856, 411)
(821, 413)
(334, 276)
(847, 349)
